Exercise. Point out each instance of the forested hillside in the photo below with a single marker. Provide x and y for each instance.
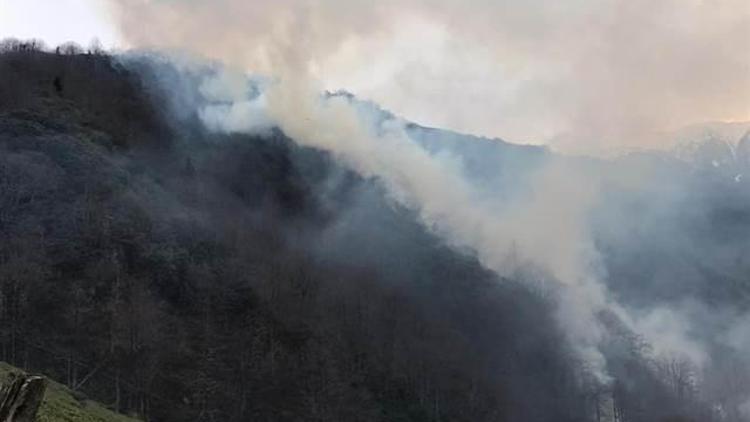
(183, 275)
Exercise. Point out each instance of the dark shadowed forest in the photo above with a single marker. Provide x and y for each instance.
(179, 274)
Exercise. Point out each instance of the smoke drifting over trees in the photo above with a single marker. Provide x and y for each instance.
(583, 75)
(186, 241)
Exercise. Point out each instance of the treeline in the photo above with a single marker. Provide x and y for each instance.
(199, 280)
(72, 89)
(14, 45)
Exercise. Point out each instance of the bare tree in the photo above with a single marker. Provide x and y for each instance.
(678, 372)
(69, 48)
(8, 45)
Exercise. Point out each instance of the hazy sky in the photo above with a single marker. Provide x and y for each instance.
(584, 73)
(58, 21)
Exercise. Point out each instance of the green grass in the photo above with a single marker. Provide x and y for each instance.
(59, 405)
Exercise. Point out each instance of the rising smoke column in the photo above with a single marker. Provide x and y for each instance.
(520, 70)
(547, 228)
(544, 229)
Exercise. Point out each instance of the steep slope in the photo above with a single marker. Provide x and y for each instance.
(187, 275)
(61, 405)
(227, 277)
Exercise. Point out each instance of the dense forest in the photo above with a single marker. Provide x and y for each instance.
(179, 274)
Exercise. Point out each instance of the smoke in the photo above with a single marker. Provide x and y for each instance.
(584, 90)
(507, 237)
(234, 103)
(581, 75)
(672, 331)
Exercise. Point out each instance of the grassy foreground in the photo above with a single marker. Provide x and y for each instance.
(59, 405)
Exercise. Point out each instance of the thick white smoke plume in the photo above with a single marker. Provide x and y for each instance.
(543, 232)
(579, 74)
(545, 229)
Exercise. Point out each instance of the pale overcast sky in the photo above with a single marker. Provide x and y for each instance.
(58, 21)
(609, 73)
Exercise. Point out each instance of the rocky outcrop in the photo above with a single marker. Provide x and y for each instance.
(20, 398)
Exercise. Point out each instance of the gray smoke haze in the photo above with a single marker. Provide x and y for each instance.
(685, 73)
(581, 75)
(542, 231)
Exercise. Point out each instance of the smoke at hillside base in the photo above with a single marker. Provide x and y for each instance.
(584, 75)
